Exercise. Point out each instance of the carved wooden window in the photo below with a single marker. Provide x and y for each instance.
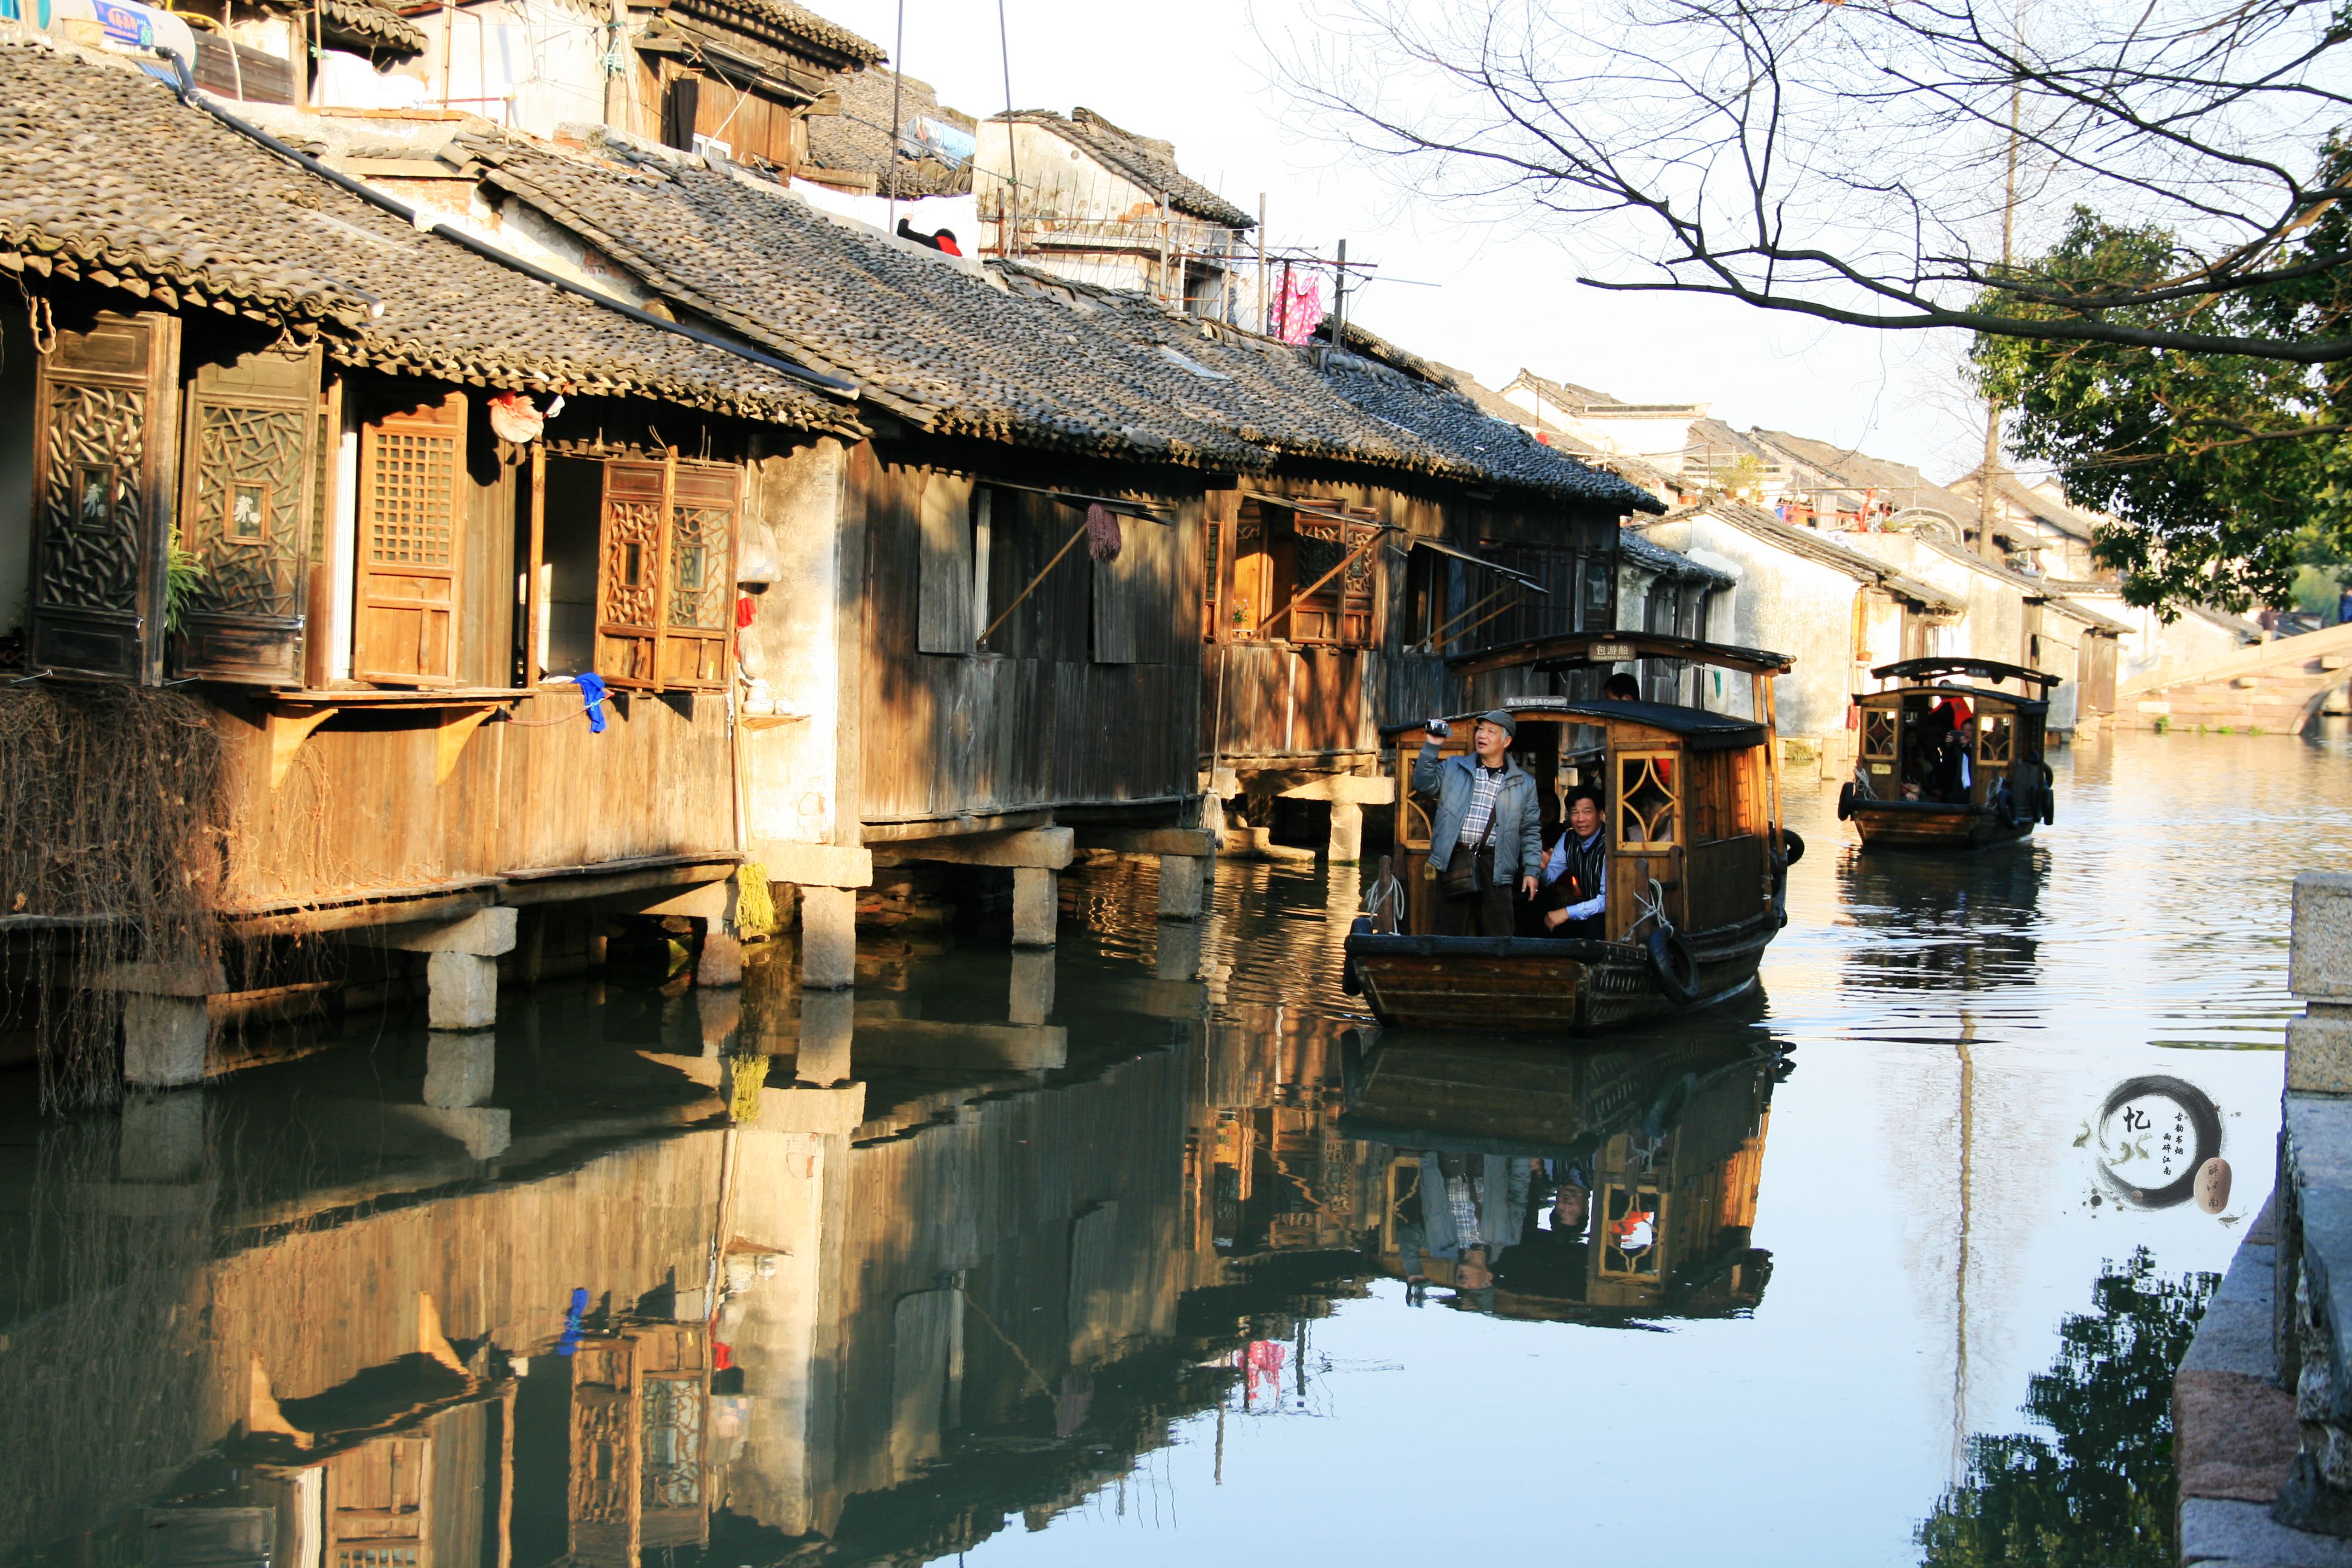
(102, 476)
(1646, 800)
(665, 574)
(1632, 1232)
(412, 509)
(246, 514)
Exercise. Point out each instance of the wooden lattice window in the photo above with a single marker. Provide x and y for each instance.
(103, 466)
(411, 512)
(1632, 1232)
(665, 574)
(1879, 732)
(246, 512)
(1339, 613)
(1647, 803)
(1996, 741)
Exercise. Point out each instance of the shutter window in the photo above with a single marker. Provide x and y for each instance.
(103, 463)
(412, 471)
(1134, 596)
(246, 514)
(944, 614)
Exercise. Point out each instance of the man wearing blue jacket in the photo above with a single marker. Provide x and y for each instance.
(1486, 837)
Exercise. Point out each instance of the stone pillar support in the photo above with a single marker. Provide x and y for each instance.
(826, 875)
(1183, 886)
(828, 1024)
(1036, 907)
(1031, 999)
(1347, 833)
(166, 1023)
(2319, 971)
(461, 964)
(828, 939)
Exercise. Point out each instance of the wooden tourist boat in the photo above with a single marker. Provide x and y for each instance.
(1912, 789)
(1697, 865)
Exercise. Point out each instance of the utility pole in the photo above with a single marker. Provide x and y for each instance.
(1987, 476)
(1340, 301)
(898, 91)
(1265, 309)
(617, 75)
(1008, 236)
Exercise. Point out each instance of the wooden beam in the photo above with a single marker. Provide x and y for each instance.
(534, 595)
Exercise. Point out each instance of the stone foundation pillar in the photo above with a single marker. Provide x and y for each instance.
(461, 965)
(828, 939)
(1037, 906)
(1183, 886)
(720, 961)
(1347, 833)
(163, 1040)
(162, 1138)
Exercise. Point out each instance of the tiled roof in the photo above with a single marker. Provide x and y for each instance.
(800, 22)
(106, 176)
(1813, 545)
(1149, 162)
(1846, 469)
(371, 27)
(1635, 550)
(856, 140)
(2030, 586)
(2060, 516)
(1003, 352)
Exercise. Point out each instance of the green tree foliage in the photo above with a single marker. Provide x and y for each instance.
(2099, 1492)
(2225, 473)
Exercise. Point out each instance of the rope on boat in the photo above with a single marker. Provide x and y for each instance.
(1653, 908)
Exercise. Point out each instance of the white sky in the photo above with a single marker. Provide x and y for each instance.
(1197, 75)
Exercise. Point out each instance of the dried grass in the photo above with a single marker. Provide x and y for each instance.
(110, 855)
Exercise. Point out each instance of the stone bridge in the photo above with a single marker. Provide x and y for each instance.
(2279, 686)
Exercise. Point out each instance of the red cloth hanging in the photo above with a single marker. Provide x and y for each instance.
(1103, 540)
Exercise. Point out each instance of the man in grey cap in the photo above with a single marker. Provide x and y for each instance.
(1486, 836)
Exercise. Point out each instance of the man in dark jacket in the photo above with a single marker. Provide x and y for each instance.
(1575, 876)
(1486, 830)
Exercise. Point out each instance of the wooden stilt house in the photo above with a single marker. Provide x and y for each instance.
(354, 497)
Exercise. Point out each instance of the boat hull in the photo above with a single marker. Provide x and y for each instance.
(1535, 986)
(1931, 825)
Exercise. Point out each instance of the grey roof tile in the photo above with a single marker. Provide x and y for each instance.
(105, 176)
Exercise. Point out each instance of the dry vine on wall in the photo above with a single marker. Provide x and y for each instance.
(110, 855)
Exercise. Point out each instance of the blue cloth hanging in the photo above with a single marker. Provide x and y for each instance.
(592, 691)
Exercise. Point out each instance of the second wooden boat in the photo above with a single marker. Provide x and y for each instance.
(1949, 766)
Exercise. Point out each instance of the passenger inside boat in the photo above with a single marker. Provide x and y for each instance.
(1573, 896)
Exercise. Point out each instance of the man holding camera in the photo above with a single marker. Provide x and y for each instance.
(1486, 837)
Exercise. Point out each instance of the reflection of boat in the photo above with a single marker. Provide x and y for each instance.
(1667, 1143)
(1696, 855)
(1949, 768)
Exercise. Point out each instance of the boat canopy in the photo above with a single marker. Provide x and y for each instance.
(1565, 650)
(1980, 669)
(1698, 729)
(1977, 695)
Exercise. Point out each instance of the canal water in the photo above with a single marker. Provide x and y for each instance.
(1152, 1250)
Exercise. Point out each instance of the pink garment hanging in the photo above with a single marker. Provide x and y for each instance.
(1297, 306)
(1103, 538)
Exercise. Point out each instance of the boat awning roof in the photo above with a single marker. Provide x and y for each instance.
(1975, 694)
(1698, 729)
(1979, 668)
(1565, 649)
(1521, 578)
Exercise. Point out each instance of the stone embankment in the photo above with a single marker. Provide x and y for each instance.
(2262, 1403)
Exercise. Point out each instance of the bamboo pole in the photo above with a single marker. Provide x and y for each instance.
(1378, 529)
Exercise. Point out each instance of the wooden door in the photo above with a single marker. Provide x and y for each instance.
(603, 1504)
(103, 468)
(248, 475)
(698, 578)
(412, 517)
